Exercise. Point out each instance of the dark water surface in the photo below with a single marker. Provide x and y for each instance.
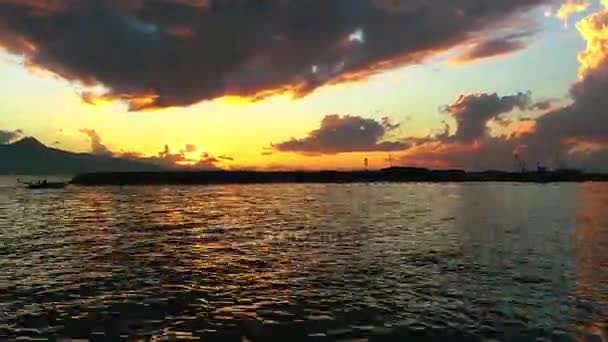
(383, 262)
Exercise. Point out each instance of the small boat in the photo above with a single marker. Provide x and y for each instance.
(46, 185)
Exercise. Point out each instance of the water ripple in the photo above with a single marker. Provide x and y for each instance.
(305, 262)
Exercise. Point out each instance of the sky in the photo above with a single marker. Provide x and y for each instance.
(310, 84)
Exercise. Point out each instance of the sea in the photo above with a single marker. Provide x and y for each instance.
(305, 262)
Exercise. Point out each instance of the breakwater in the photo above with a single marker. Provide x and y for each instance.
(396, 174)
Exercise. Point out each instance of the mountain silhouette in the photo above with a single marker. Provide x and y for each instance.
(30, 156)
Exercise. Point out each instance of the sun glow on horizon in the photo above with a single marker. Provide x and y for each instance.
(407, 88)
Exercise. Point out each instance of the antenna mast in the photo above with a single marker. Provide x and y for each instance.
(520, 163)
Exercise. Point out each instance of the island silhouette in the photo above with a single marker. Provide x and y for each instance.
(29, 156)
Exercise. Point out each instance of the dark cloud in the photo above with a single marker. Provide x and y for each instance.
(343, 134)
(544, 104)
(226, 157)
(473, 112)
(388, 124)
(160, 53)
(491, 153)
(9, 136)
(575, 135)
(97, 146)
(578, 126)
(472, 147)
(587, 117)
(579, 131)
(267, 151)
(493, 47)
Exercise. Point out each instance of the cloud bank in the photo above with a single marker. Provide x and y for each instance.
(573, 135)
(162, 53)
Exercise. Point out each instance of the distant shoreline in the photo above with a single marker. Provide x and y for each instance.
(396, 174)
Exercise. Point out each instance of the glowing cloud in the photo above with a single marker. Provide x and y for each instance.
(594, 30)
(571, 7)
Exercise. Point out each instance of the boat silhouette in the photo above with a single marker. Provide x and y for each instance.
(45, 185)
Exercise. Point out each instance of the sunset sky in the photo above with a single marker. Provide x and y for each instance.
(310, 84)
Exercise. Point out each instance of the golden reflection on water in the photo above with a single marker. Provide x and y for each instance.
(591, 247)
(340, 261)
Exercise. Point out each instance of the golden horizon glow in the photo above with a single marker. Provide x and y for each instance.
(409, 89)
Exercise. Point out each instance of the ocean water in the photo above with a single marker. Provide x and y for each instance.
(306, 262)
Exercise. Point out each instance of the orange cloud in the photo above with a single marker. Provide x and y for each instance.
(583, 145)
(137, 102)
(522, 128)
(571, 7)
(436, 154)
(594, 30)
